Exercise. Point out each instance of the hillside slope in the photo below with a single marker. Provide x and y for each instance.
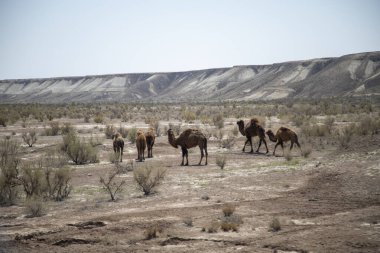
(356, 74)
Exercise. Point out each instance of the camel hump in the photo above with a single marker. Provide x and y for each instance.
(254, 121)
(284, 129)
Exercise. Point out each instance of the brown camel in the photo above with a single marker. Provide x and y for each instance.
(150, 138)
(283, 135)
(118, 145)
(141, 145)
(188, 139)
(251, 129)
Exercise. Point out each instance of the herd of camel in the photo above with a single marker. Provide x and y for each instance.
(193, 137)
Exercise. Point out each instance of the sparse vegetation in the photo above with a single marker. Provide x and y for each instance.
(274, 225)
(30, 137)
(221, 161)
(34, 207)
(147, 178)
(78, 151)
(152, 231)
(111, 185)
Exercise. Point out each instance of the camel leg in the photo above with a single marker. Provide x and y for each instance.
(245, 144)
(266, 146)
(187, 157)
(206, 154)
(282, 146)
(274, 151)
(250, 141)
(202, 155)
(121, 155)
(143, 154)
(183, 156)
(258, 148)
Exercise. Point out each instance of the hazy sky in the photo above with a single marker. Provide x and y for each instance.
(47, 38)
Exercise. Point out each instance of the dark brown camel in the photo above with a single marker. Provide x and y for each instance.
(118, 145)
(251, 129)
(188, 139)
(141, 145)
(150, 138)
(283, 135)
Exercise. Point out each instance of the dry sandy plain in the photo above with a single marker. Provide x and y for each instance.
(328, 202)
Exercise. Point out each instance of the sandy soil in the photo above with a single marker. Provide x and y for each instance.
(328, 202)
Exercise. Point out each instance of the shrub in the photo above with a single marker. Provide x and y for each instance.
(9, 171)
(30, 138)
(53, 130)
(228, 210)
(132, 135)
(58, 183)
(218, 121)
(111, 185)
(345, 135)
(3, 120)
(152, 231)
(231, 222)
(306, 151)
(34, 208)
(110, 130)
(274, 225)
(67, 128)
(329, 122)
(213, 227)
(228, 142)
(147, 179)
(188, 221)
(221, 161)
(368, 125)
(78, 151)
(99, 119)
(235, 131)
(32, 179)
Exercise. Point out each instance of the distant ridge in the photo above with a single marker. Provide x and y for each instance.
(349, 75)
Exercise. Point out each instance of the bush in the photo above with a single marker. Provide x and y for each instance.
(110, 131)
(132, 135)
(32, 179)
(213, 227)
(99, 119)
(34, 208)
(153, 231)
(345, 135)
(228, 210)
(306, 151)
(274, 225)
(112, 186)
(228, 142)
(9, 171)
(148, 179)
(78, 151)
(188, 221)
(58, 183)
(3, 120)
(221, 161)
(67, 128)
(53, 130)
(218, 121)
(368, 125)
(30, 138)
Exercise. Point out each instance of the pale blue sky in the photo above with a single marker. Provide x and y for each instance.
(49, 38)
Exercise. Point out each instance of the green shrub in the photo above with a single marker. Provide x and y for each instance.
(110, 131)
(99, 119)
(132, 135)
(345, 135)
(58, 183)
(78, 151)
(228, 210)
(66, 128)
(53, 130)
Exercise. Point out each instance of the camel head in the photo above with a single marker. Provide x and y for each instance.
(116, 135)
(171, 138)
(271, 135)
(240, 124)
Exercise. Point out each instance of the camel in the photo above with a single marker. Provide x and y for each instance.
(251, 129)
(150, 138)
(141, 145)
(118, 145)
(283, 134)
(188, 139)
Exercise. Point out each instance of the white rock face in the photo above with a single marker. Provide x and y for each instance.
(326, 77)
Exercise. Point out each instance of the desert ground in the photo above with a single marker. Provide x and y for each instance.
(325, 200)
